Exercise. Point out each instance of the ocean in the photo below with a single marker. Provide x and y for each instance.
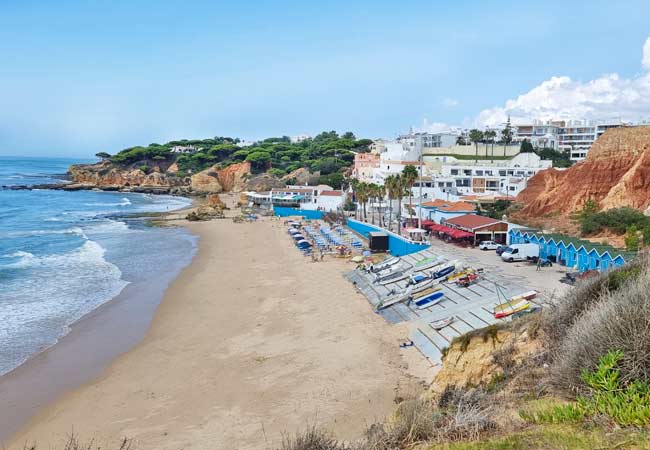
(64, 254)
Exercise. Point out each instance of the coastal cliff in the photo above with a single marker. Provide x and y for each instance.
(160, 178)
(616, 173)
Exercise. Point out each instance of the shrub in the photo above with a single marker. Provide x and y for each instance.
(312, 439)
(144, 168)
(626, 405)
(616, 320)
(562, 313)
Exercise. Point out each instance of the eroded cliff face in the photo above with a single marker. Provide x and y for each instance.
(105, 175)
(615, 173)
(476, 360)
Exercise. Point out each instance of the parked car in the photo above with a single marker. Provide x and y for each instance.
(501, 249)
(488, 245)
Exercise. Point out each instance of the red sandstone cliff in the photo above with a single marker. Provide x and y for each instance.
(105, 175)
(615, 173)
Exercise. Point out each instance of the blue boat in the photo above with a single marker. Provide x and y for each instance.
(417, 279)
(444, 272)
(429, 300)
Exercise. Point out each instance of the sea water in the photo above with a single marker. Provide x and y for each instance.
(63, 254)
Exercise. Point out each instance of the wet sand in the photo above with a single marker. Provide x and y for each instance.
(250, 341)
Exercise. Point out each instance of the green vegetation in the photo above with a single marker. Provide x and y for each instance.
(626, 405)
(560, 158)
(620, 221)
(526, 147)
(495, 210)
(327, 153)
(103, 155)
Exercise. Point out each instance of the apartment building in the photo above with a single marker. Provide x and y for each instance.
(417, 141)
(574, 136)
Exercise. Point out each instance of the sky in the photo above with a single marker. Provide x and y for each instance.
(79, 77)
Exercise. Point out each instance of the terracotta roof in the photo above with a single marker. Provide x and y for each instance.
(455, 207)
(471, 221)
(332, 193)
(435, 203)
(446, 206)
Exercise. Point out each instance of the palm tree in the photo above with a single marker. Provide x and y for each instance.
(396, 191)
(362, 197)
(381, 194)
(354, 183)
(507, 135)
(490, 135)
(476, 136)
(409, 176)
(391, 184)
(372, 195)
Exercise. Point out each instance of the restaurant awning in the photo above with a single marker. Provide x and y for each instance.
(460, 234)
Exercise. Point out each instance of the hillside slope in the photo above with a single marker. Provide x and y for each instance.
(615, 173)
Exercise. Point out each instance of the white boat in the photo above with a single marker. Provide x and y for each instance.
(392, 277)
(404, 295)
(386, 264)
(440, 324)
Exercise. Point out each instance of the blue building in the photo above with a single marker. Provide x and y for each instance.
(571, 251)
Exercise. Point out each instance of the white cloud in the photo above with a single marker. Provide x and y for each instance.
(450, 102)
(645, 60)
(560, 97)
(432, 127)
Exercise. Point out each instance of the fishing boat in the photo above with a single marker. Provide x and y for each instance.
(428, 263)
(459, 274)
(394, 299)
(440, 324)
(444, 271)
(387, 264)
(528, 295)
(424, 292)
(429, 300)
(422, 286)
(418, 278)
(508, 309)
(391, 277)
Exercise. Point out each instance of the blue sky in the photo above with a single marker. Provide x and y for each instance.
(79, 77)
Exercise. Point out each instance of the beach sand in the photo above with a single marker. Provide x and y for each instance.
(251, 340)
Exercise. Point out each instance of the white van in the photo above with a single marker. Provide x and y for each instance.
(521, 252)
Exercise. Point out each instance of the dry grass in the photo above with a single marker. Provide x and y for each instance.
(73, 443)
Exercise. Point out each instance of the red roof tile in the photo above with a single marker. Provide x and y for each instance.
(332, 193)
(471, 221)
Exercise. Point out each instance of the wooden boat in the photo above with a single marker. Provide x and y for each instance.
(429, 300)
(459, 274)
(424, 292)
(528, 295)
(386, 264)
(508, 309)
(440, 324)
(443, 271)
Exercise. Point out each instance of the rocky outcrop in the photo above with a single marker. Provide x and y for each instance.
(105, 175)
(301, 176)
(615, 173)
(214, 180)
(158, 179)
(263, 182)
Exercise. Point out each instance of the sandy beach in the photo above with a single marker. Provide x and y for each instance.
(251, 340)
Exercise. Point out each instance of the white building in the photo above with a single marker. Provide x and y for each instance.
(185, 149)
(299, 138)
(418, 141)
(575, 136)
(456, 178)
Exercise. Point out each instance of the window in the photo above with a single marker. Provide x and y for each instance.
(502, 173)
(467, 172)
(454, 171)
(479, 173)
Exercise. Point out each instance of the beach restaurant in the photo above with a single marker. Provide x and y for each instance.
(477, 228)
(571, 251)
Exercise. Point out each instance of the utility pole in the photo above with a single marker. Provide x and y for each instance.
(420, 194)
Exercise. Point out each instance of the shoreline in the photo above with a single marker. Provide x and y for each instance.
(377, 384)
(48, 374)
